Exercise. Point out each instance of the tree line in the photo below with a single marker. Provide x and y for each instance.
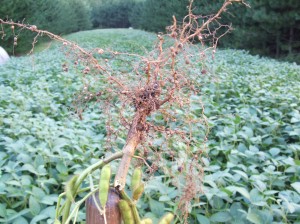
(57, 16)
(267, 27)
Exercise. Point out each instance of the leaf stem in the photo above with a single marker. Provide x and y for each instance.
(134, 210)
(82, 176)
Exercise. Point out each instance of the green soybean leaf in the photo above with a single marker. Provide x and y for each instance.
(202, 219)
(157, 208)
(38, 218)
(241, 190)
(34, 205)
(296, 186)
(259, 216)
(221, 217)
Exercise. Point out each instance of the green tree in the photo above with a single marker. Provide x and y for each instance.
(155, 15)
(80, 15)
(16, 10)
(267, 27)
(60, 17)
(114, 14)
(279, 20)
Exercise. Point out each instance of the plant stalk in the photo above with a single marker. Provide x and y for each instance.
(83, 175)
(134, 210)
(133, 139)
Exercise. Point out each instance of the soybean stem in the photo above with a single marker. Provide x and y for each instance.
(82, 176)
(134, 210)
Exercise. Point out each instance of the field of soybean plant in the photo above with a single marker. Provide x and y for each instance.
(251, 164)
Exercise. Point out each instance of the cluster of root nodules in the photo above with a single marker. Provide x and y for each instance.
(146, 98)
(157, 94)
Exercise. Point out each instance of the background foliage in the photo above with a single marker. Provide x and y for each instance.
(268, 27)
(56, 16)
(252, 165)
(111, 14)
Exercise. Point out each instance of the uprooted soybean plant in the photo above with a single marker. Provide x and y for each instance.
(160, 83)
